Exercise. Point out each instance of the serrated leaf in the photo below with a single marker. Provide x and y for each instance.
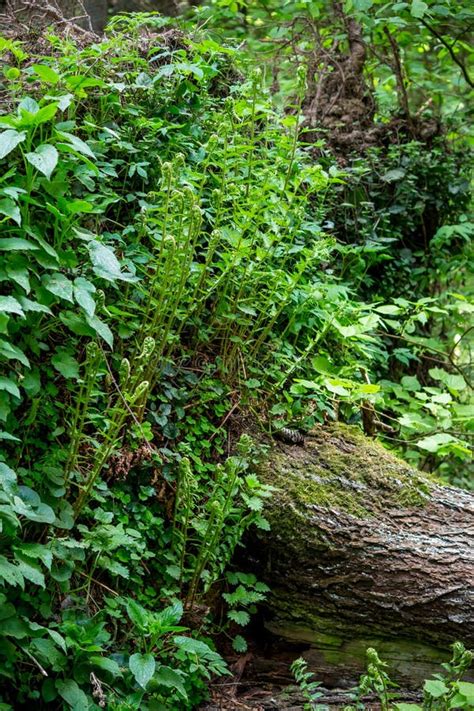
(31, 572)
(9, 140)
(44, 159)
(239, 644)
(240, 617)
(142, 667)
(37, 550)
(29, 305)
(165, 676)
(436, 441)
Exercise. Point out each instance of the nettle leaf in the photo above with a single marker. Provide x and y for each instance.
(239, 616)
(142, 667)
(10, 305)
(165, 676)
(82, 293)
(10, 209)
(59, 285)
(44, 159)
(9, 140)
(9, 386)
(65, 364)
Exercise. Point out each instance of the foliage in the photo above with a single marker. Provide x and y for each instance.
(446, 691)
(176, 262)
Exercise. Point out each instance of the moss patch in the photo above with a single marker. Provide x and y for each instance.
(339, 468)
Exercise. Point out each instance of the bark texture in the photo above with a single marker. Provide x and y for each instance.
(365, 551)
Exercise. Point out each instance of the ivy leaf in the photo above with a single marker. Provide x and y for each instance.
(9, 140)
(59, 285)
(10, 209)
(142, 667)
(44, 159)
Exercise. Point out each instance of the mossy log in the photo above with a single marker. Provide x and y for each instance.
(365, 551)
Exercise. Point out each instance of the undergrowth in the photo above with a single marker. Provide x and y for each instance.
(167, 269)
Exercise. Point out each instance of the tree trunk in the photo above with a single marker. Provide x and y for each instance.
(364, 551)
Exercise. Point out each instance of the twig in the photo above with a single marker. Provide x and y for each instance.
(451, 51)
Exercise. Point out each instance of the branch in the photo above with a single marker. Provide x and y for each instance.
(451, 51)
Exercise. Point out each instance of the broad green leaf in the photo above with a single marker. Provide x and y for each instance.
(8, 244)
(37, 551)
(82, 293)
(9, 140)
(20, 275)
(434, 442)
(8, 350)
(47, 74)
(142, 667)
(106, 664)
(435, 688)
(10, 209)
(102, 330)
(29, 305)
(10, 305)
(59, 285)
(44, 159)
(78, 144)
(31, 572)
(138, 615)
(105, 263)
(9, 386)
(72, 694)
(418, 8)
(65, 364)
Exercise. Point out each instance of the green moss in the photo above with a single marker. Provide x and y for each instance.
(339, 468)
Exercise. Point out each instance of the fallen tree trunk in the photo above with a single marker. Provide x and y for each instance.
(365, 551)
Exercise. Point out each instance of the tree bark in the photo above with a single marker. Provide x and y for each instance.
(365, 551)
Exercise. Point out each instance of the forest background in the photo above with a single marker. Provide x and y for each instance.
(250, 218)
